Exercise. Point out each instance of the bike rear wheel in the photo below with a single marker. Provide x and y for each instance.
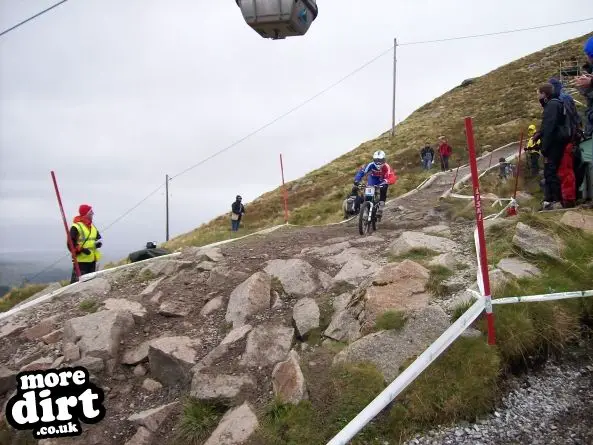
(363, 218)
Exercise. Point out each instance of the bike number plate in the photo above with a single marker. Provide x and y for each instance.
(369, 191)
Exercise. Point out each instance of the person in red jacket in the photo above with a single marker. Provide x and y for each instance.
(445, 151)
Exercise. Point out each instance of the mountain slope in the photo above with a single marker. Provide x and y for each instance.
(501, 103)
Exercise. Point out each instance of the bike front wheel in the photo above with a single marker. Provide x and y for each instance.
(363, 218)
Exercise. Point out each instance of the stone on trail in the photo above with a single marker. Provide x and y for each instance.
(121, 304)
(171, 359)
(143, 436)
(267, 345)
(364, 241)
(219, 386)
(99, 334)
(93, 364)
(152, 419)
(221, 275)
(53, 337)
(97, 286)
(70, 351)
(397, 287)
(446, 260)
(250, 297)
(356, 270)
(41, 329)
(151, 385)
(165, 267)
(537, 243)
(331, 249)
(409, 241)
(10, 329)
(342, 258)
(518, 268)
(497, 280)
(341, 301)
(344, 326)
(149, 290)
(235, 428)
(306, 316)
(200, 254)
(288, 381)
(212, 306)
(440, 230)
(298, 277)
(232, 337)
(174, 308)
(388, 350)
(136, 355)
(578, 220)
(41, 364)
(7, 379)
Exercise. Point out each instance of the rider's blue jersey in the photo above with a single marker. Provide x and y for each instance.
(374, 175)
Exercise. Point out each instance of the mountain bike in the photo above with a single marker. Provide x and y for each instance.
(367, 217)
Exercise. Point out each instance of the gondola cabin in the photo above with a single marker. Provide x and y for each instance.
(278, 19)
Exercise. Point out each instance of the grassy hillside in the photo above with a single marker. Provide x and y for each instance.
(501, 102)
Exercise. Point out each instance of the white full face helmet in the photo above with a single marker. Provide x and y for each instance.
(379, 158)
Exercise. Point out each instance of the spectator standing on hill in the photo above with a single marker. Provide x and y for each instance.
(584, 85)
(427, 156)
(237, 211)
(445, 151)
(554, 136)
(86, 240)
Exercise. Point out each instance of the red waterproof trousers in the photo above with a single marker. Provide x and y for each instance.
(566, 176)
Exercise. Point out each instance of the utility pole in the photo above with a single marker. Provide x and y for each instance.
(167, 204)
(394, 82)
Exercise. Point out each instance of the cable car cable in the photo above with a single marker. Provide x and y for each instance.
(6, 31)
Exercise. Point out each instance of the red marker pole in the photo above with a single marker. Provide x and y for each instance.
(480, 225)
(70, 245)
(284, 192)
(518, 165)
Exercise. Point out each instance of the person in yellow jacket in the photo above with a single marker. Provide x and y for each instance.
(86, 241)
(533, 150)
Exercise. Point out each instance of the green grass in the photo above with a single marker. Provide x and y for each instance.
(89, 305)
(338, 395)
(390, 320)
(460, 309)
(17, 295)
(417, 255)
(438, 275)
(198, 420)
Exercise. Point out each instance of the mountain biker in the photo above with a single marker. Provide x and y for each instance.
(379, 174)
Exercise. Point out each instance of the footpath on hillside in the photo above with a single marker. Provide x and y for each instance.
(262, 317)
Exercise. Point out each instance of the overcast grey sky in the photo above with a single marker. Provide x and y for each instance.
(112, 95)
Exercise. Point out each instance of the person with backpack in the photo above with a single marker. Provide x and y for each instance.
(427, 156)
(584, 85)
(555, 137)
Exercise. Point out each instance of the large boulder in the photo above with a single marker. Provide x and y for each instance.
(152, 419)
(218, 352)
(95, 287)
(44, 327)
(99, 334)
(535, 242)
(409, 241)
(397, 287)
(446, 260)
(578, 220)
(235, 427)
(200, 254)
(136, 355)
(121, 304)
(171, 359)
(212, 306)
(288, 381)
(298, 277)
(250, 297)
(344, 326)
(355, 270)
(7, 379)
(439, 230)
(267, 345)
(388, 350)
(166, 267)
(518, 268)
(306, 316)
(219, 386)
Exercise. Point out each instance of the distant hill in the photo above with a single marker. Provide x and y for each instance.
(13, 273)
(501, 102)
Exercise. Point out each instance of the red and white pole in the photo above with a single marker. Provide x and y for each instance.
(70, 244)
(284, 192)
(482, 257)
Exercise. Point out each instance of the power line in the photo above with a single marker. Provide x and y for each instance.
(31, 18)
(421, 42)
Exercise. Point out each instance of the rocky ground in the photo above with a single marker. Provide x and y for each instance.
(235, 323)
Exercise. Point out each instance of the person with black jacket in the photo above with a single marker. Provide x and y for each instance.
(554, 137)
(237, 211)
(427, 156)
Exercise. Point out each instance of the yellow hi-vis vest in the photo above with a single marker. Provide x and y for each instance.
(86, 240)
(531, 146)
